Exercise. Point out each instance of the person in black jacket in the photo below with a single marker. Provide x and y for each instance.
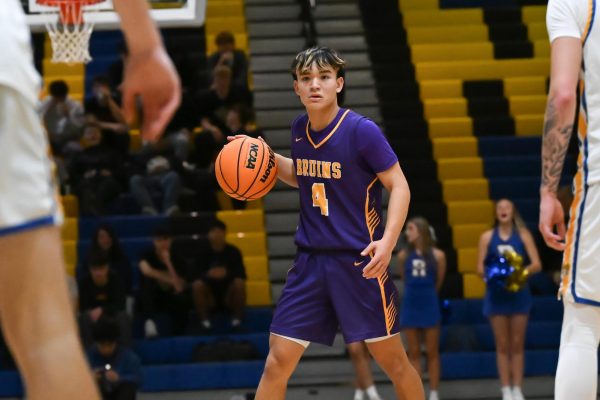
(94, 174)
(220, 278)
(228, 55)
(102, 293)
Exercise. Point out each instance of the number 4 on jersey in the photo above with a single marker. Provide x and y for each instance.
(319, 198)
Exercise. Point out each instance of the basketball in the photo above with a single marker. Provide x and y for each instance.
(246, 169)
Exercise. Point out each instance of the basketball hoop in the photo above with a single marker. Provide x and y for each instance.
(69, 32)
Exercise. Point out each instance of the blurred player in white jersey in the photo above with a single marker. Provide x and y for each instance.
(574, 33)
(35, 311)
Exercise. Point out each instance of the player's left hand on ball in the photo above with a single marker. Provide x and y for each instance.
(381, 256)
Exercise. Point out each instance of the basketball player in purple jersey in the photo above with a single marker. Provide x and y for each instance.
(340, 161)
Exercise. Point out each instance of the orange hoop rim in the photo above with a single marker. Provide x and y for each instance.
(70, 11)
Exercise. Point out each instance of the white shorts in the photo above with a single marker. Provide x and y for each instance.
(581, 261)
(28, 196)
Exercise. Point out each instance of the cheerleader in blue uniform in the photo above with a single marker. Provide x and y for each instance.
(507, 311)
(422, 268)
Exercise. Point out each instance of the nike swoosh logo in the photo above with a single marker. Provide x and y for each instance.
(298, 139)
(356, 264)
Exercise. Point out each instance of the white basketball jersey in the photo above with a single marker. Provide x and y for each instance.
(16, 67)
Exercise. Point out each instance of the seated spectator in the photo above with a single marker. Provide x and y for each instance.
(117, 369)
(231, 57)
(94, 174)
(107, 114)
(102, 293)
(240, 121)
(105, 240)
(158, 178)
(63, 118)
(164, 289)
(221, 278)
(222, 94)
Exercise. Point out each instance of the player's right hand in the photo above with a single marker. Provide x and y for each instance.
(552, 215)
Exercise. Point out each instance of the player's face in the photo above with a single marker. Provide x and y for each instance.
(104, 240)
(504, 211)
(412, 233)
(318, 89)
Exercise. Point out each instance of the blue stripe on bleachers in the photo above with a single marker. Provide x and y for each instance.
(495, 146)
(514, 188)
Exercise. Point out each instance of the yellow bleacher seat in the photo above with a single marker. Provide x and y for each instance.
(459, 168)
(450, 127)
(470, 212)
(70, 251)
(447, 34)
(467, 235)
(524, 86)
(467, 259)
(418, 4)
(243, 220)
(135, 140)
(241, 43)
(70, 205)
(529, 125)
(473, 286)
(531, 14)
(440, 89)
(541, 48)
(537, 31)
(257, 268)
(258, 293)
(452, 52)
(444, 108)
(482, 69)
(250, 244)
(70, 269)
(454, 147)
(234, 25)
(60, 69)
(70, 229)
(229, 8)
(465, 189)
(533, 104)
(467, 16)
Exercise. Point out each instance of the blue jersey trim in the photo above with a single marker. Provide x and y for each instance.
(591, 22)
(35, 223)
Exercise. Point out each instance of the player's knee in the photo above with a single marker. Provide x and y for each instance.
(356, 350)
(517, 345)
(502, 346)
(277, 366)
(399, 367)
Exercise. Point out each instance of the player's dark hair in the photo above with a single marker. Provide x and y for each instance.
(105, 330)
(217, 224)
(323, 57)
(162, 232)
(224, 37)
(59, 89)
(98, 259)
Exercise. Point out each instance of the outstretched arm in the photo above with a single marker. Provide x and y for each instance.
(149, 72)
(558, 127)
(394, 181)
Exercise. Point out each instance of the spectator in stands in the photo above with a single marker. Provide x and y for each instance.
(422, 268)
(159, 178)
(108, 115)
(507, 311)
(361, 361)
(102, 293)
(221, 278)
(240, 120)
(222, 94)
(115, 71)
(229, 56)
(105, 240)
(94, 173)
(117, 369)
(164, 289)
(63, 118)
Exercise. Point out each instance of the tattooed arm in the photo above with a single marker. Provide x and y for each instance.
(558, 126)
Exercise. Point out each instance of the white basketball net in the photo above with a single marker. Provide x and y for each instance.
(70, 42)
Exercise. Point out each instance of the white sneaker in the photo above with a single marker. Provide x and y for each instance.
(517, 394)
(359, 395)
(150, 330)
(506, 393)
(433, 395)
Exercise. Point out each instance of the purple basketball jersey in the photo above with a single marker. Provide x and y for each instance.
(336, 168)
